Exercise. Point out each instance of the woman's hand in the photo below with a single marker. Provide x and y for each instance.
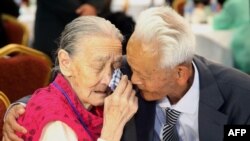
(10, 124)
(119, 108)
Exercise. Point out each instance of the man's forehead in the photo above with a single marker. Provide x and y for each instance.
(134, 46)
(138, 48)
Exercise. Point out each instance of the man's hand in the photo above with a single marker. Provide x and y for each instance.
(86, 10)
(11, 126)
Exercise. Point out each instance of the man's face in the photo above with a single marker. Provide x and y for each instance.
(92, 67)
(154, 82)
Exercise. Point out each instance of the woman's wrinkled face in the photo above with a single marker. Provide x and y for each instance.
(91, 68)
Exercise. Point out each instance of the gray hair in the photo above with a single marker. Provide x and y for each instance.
(162, 30)
(83, 27)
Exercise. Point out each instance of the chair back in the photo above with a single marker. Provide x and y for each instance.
(16, 31)
(23, 70)
(4, 103)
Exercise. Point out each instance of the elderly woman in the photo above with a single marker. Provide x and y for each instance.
(71, 107)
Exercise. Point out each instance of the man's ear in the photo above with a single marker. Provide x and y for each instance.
(64, 62)
(183, 74)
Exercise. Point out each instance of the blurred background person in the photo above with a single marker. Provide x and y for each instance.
(123, 14)
(124, 23)
(9, 7)
(3, 36)
(53, 15)
(134, 7)
(240, 47)
(235, 15)
(220, 4)
(201, 11)
(6, 7)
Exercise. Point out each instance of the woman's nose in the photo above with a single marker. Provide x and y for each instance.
(107, 78)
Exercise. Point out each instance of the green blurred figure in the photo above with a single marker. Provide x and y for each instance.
(241, 48)
(235, 14)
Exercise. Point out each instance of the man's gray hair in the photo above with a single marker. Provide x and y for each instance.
(85, 27)
(163, 31)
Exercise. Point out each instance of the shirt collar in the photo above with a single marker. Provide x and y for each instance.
(189, 102)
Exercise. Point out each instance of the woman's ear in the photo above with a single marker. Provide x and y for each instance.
(64, 62)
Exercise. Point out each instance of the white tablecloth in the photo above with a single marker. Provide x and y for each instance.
(134, 6)
(213, 44)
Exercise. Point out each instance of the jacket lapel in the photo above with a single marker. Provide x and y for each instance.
(211, 123)
(211, 120)
(145, 118)
(129, 133)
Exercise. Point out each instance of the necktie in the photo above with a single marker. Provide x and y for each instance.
(169, 129)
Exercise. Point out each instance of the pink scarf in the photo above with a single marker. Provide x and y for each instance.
(49, 104)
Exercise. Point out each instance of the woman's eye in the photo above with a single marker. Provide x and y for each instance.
(97, 68)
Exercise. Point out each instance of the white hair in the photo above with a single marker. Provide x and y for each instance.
(83, 28)
(163, 31)
(87, 26)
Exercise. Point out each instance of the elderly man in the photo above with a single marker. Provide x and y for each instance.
(181, 96)
(200, 95)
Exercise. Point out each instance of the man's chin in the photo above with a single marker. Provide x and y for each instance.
(148, 96)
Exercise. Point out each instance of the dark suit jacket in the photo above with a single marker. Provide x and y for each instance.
(9, 7)
(51, 18)
(224, 99)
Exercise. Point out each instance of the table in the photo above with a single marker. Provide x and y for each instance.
(213, 44)
(134, 7)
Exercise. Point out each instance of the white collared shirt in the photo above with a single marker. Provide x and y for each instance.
(187, 123)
